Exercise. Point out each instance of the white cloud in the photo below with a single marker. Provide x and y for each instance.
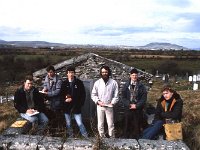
(76, 21)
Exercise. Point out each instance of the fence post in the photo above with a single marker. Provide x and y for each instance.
(1, 99)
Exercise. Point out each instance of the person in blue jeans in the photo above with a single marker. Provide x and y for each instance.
(169, 109)
(73, 95)
(51, 92)
(30, 104)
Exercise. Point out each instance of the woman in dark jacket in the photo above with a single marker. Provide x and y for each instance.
(73, 96)
(168, 110)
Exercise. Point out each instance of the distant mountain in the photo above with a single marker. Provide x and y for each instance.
(2, 42)
(196, 49)
(31, 44)
(167, 46)
(37, 44)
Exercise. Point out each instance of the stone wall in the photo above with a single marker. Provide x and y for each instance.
(26, 142)
(88, 65)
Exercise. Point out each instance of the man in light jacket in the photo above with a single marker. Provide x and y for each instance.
(105, 95)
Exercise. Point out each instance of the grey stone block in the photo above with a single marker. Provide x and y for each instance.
(51, 143)
(78, 144)
(26, 142)
(115, 143)
(18, 142)
(162, 145)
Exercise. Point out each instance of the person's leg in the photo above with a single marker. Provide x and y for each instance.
(127, 122)
(43, 120)
(100, 120)
(110, 121)
(80, 124)
(42, 123)
(152, 131)
(32, 119)
(135, 124)
(146, 131)
(68, 125)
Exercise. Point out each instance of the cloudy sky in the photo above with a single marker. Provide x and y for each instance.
(107, 22)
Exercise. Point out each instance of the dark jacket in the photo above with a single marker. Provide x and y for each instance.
(175, 108)
(77, 93)
(20, 102)
(141, 96)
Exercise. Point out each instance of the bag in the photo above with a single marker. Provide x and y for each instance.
(173, 131)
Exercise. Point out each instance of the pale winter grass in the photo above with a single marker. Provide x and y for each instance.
(8, 115)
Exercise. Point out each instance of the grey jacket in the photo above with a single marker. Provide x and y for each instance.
(53, 91)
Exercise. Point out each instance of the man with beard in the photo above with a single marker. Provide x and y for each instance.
(105, 95)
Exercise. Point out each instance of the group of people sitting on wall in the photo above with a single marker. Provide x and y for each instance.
(69, 96)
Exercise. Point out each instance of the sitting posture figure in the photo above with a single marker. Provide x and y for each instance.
(169, 109)
(30, 104)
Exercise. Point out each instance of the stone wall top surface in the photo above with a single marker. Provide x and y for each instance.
(19, 142)
(88, 65)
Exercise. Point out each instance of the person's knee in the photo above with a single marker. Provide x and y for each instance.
(46, 121)
(33, 119)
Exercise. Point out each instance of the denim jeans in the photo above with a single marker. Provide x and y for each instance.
(152, 131)
(79, 122)
(40, 119)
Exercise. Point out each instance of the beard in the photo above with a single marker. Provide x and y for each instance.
(105, 77)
